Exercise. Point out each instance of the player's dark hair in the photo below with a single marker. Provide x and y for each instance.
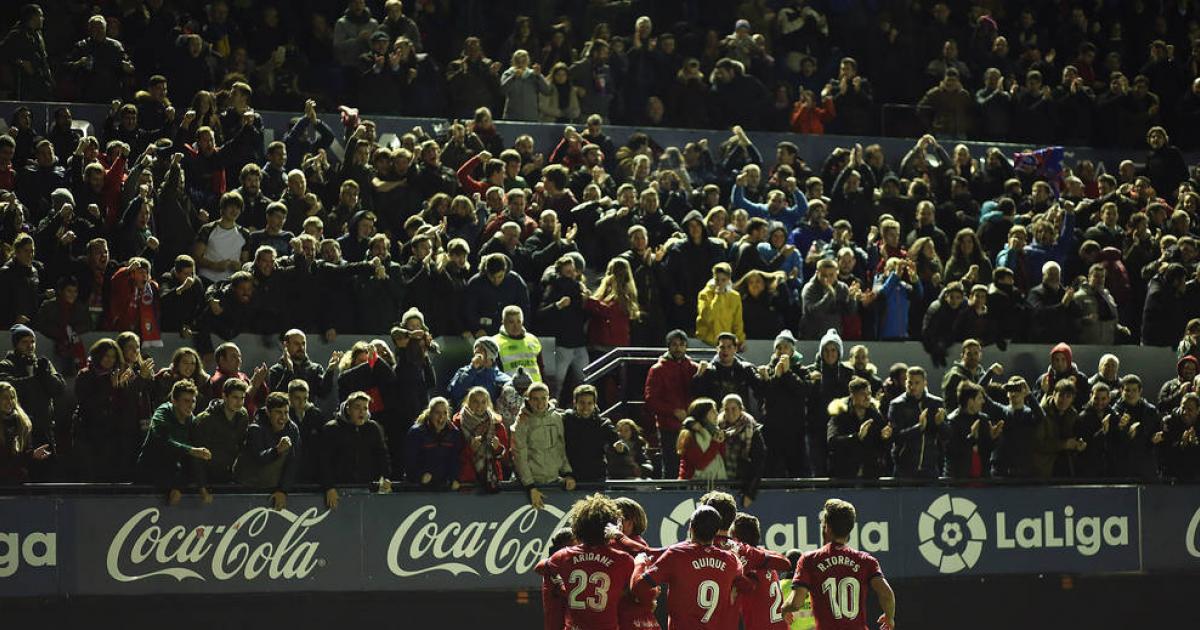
(706, 521)
(793, 556)
(724, 504)
(561, 539)
(839, 516)
(746, 529)
(591, 516)
(633, 513)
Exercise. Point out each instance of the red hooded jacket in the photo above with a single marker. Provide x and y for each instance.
(668, 387)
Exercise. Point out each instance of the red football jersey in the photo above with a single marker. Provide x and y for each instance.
(699, 581)
(595, 579)
(639, 615)
(755, 563)
(838, 579)
(762, 606)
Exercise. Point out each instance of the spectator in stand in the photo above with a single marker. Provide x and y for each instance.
(726, 374)
(1139, 432)
(1190, 343)
(539, 448)
(519, 349)
(786, 386)
(831, 378)
(968, 435)
(745, 452)
(826, 300)
(295, 364)
(167, 452)
(612, 309)
(968, 368)
(37, 384)
(100, 63)
(489, 291)
(950, 106)
(222, 430)
(353, 449)
(1098, 322)
(17, 451)
(1092, 430)
(917, 419)
(719, 307)
(857, 435)
(270, 456)
(482, 371)
(809, 117)
(220, 245)
(701, 443)
(229, 366)
(486, 444)
(21, 283)
(1180, 445)
(1054, 441)
(1053, 307)
(632, 461)
(1013, 426)
(667, 396)
(1166, 307)
(434, 448)
(1062, 368)
(589, 437)
(521, 85)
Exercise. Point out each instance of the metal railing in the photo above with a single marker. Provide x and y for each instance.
(613, 486)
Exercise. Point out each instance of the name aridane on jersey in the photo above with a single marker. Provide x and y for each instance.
(594, 580)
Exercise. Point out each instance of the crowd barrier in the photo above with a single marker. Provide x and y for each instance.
(129, 545)
(812, 149)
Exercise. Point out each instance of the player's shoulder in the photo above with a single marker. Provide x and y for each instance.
(563, 554)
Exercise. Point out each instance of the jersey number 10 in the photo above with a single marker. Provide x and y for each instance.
(843, 596)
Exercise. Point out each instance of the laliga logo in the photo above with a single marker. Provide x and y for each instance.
(672, 524)
(951, 533)
(38, 549)
(420, 535)
(803, 534)
(291, 557)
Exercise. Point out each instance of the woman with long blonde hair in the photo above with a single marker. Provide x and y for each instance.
(613, 307)
(486, 441)
(17, 450)
(433, 447)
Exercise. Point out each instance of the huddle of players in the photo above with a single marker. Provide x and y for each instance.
(602, 575)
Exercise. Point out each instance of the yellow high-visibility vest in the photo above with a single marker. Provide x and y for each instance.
(517, 353)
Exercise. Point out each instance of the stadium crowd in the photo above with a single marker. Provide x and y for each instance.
(187, 222)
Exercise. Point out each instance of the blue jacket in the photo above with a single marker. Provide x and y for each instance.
(894, 294)
(436, 453)
(466, 377)
(806, 234)
(789, 217)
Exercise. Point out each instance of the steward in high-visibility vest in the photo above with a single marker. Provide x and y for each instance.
(518, 347)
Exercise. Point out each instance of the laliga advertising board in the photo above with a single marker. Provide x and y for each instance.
(136, 544)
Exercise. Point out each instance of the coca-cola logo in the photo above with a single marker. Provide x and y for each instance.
(144, 549)
(421, 544)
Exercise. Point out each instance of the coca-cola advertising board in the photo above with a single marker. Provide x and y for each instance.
(129, 545)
